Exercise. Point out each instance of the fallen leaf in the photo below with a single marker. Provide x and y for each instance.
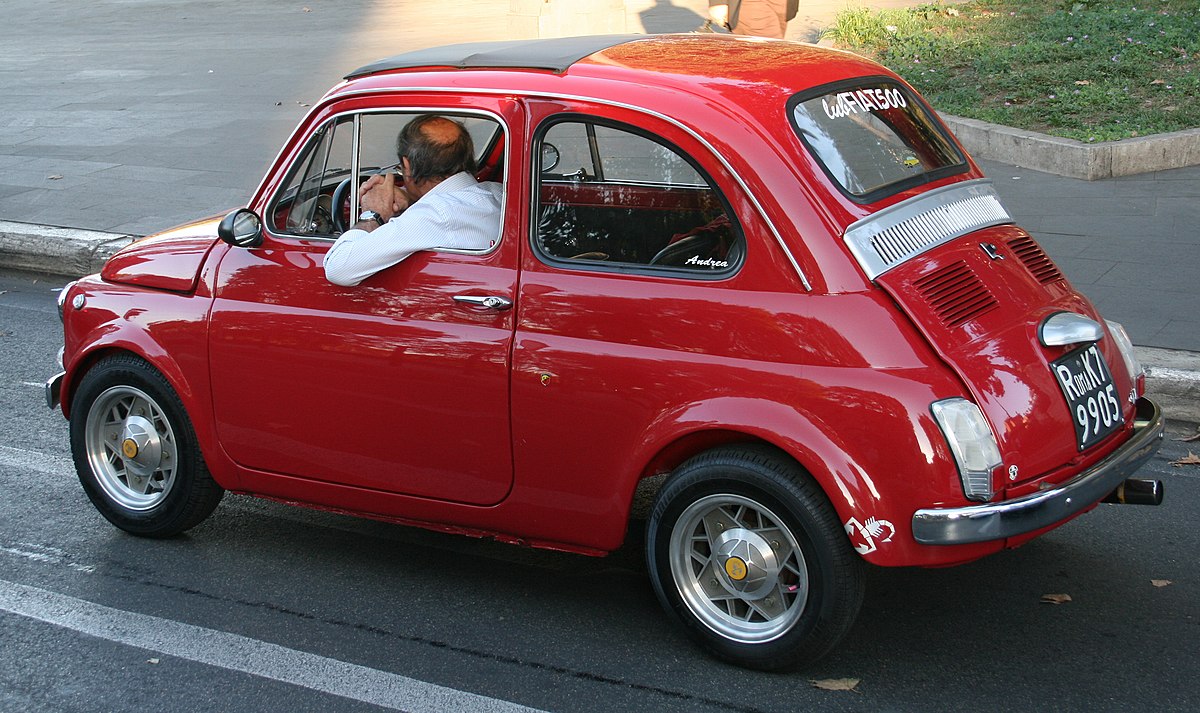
(1082, 82)
(836, 684)
(1056, 598)
(54, 177)
(151, 660)
(1160, 582)
(1194, 437)
(1158, 81)
(1189, 459)
(307, 10)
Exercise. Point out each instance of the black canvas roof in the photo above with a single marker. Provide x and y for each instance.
(556, 54)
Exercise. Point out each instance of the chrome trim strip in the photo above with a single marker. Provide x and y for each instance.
(355, 137)
(1063, 328)
(897, 233)
(641, 110)
(998, 521)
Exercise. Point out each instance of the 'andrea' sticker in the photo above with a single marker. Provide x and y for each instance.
(861, 101)
(867, 536)
(697, 261)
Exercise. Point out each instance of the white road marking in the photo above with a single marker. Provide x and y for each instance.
(35, 461)
(240, 653)
(45, 555)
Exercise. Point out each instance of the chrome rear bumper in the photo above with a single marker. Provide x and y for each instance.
(997, 521)
(54, 389)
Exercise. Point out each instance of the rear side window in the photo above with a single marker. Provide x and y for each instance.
(612, 196)
(873, 137)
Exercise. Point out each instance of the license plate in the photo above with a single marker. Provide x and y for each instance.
(1087, 384)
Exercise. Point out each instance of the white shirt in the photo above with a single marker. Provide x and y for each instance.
(458, 213)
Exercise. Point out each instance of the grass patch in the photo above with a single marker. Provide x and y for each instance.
(1082, 69)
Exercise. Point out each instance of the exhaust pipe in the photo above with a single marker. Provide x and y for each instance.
(1137, 491)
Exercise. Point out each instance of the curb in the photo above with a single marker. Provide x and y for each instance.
(1173, 379)
(1076, 159)
(57, 251)
(1172, 376)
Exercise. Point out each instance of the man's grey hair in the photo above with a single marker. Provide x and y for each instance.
(429, 159)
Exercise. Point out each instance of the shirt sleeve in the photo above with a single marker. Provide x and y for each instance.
(358, 254)
(458, 213)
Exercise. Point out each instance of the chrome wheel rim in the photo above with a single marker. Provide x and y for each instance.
(738, 568)
(131, 447)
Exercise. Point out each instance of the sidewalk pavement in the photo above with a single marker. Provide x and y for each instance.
(129, 116)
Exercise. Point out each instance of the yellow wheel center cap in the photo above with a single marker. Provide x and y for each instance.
(129, 448)
(735, 567)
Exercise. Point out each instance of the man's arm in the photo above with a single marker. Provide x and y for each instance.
(718, 11)
(359, 252)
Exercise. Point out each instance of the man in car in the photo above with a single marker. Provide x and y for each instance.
(439, 205)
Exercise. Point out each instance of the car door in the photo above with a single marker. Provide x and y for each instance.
(397, 385)
(638, 300)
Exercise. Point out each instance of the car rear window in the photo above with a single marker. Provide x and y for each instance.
(873, 137)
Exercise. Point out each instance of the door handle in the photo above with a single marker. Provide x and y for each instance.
(492, 302)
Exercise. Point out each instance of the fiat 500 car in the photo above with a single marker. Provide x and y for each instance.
(750, 295)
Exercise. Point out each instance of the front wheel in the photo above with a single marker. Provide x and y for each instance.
(135, 450)
(746, 552)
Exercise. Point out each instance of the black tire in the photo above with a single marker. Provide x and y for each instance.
(747, 554)
(135, 450)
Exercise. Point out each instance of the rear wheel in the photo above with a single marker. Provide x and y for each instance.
(135, 450)
(746, 552)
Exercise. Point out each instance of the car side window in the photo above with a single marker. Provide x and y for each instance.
(304, 207)
(316, 198)
(612, 195)
(378, 131)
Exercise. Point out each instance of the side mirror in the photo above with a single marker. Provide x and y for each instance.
(550, 156)
(242, 229)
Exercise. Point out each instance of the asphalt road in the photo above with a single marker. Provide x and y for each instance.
(269, 607)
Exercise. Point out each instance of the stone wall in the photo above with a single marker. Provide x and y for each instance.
(566, 18)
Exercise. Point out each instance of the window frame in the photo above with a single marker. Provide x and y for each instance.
(329, 121)
(302, 159)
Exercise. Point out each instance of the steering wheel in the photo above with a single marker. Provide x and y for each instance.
(341, 213)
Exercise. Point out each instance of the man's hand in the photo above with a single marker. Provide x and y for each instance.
(381, 194)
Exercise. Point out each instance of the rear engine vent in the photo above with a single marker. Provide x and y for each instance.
(1039, 263)
(885, 239)
(955, 294)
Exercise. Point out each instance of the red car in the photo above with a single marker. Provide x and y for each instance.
(753, 291)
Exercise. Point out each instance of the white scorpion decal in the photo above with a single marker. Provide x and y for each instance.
(867, 536)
